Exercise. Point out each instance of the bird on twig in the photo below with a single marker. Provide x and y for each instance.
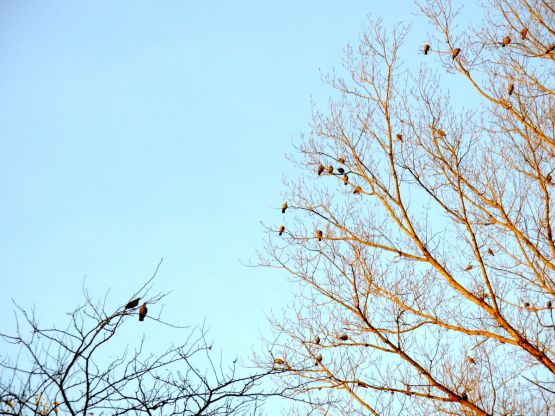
(490, 252)
(357, 190)
(132, 303)
(281, 229)
(284, 206)
(506, 40)
(343, 337)
(455, 52)
(142, 312)
(345, 179)
(426, 49)
(471, 360)
(549, 305)
(399, 137)
(469, 267)
(279, 361)
(511, 88)
(318, 359)
(341, 160)
(317, 340)
(318, 234)
(320, 169)
(329, 169)
(341, 171)
(523, 33)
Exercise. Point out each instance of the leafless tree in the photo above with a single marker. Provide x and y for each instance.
(432, 289)
(86, 368)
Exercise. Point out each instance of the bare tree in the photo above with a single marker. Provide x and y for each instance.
(86, 368)
(432, 288)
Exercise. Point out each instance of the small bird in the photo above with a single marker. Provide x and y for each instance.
(455, 52)
(399, 137)
(329, 169)
(490, 252)
(464, 396)
(341, 160)
(341, 171)
(523, 33)
(550, 48)
(426, 49)
(318, 359)
(441, 133)
(511, 88)
(279, 361)
(345, 179)
(526, 304)
(362, 384)
(357, 190)
(506, 40)
(142, 312)
(548, 178)
(281, 229)
(469, 267)
(318, 234)
(132, 303)
(317, 340)
(471, 360)
(320, 169)
(284, 206)
(549, 304)
(343, 337)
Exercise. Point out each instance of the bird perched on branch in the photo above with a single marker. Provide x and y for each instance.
(318, 359)
(320, 169)
(341, 171)
(471, 360)
(329, 169)
(279, 361)
(490, 252)
(345, 179)
(549, 304)
(341, 160)
(281, 229)
(132, 303)
(511, 88)
(469, 267)
(426, 49)
(455, 52)
(524, 33)
(317, 340)
(441, 133)
(399, 137)
(318, 235)
(343, 337)
(284, 206)
(142, 312)
(506, 40)
(357, 190)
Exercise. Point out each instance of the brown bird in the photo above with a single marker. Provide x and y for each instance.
(548, 178)
(281, 229)
(357, 190)
(341, 171)
(362, 384)
(550, 48)
(318, 359)
(549, 304)
(132, 303)
(490, 252)
(526, 304)
(511, 88)
(343, 337)
(341, 160)
(399, 137)
(471, 360)
(426, 49)
(441, 133)
(318, 234)
(279, 361)
(523, 33)
(317, 340)
(469, 267)
(345, 179)
(320, 169)
(284, 206)
(329, 169)
(142, 312)
(506, 40)
(455, 52)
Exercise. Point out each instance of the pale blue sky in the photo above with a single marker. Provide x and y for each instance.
(134, 130)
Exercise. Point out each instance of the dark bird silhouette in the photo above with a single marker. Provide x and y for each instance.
(506, 40)
(341, 171)
(464, 396)
(281, 229)
(455, 52)
(132, 303)
(318, 359)
(142, 312)
(343, 337)
(526, 304)
(490, 252)
(329, 169)
(523, 33)
(399, 137)
(357, 190)
(426, 49)
(341, 160)
(284, 206)
(318, 235)
(549, 304)
(511, 88)
(550, 48)
(548, 178)
(345, 179)
(471, 360)
(317, 340)
(362, 384)
(279, 361)
(320, 169)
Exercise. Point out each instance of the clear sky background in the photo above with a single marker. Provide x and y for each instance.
(134, 130)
